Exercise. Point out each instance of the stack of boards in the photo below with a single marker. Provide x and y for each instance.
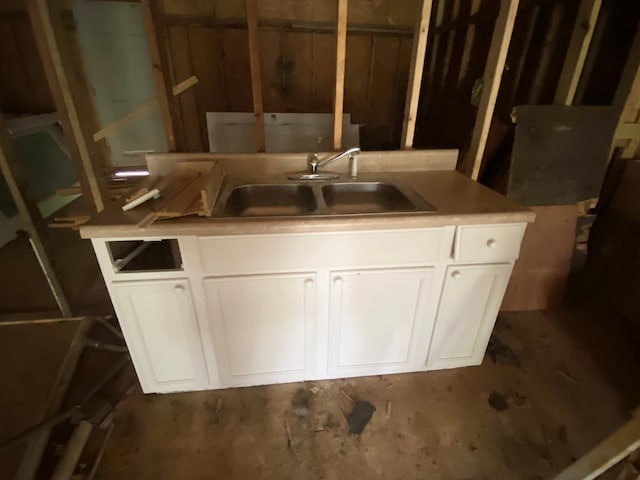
(190, 189)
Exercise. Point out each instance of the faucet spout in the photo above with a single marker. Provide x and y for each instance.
(316, 165)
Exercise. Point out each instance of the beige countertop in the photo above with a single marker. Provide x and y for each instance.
(458, 200)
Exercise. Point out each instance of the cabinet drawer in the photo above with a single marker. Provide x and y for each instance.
(287, 252)
(488, 243)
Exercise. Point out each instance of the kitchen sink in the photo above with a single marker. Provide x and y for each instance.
(278, 198)
(270, 200)
(365, 197)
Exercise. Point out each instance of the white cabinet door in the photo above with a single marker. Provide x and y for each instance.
(263, 327)
(379, 321)
(468, 308)
(159, 324)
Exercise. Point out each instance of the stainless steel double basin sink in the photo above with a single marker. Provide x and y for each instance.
(279, 198)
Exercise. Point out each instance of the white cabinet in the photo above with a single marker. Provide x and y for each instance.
(159, 324)
(263, 327)
(467, 312)
(379, 321)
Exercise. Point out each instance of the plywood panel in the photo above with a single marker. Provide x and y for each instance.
(276, 70)
(237, 72)
(40, 99)
(15, 97)
(381, 93)
(298, 51)
(181, 59)
(323, 72)
(206, 59)
(356, 87)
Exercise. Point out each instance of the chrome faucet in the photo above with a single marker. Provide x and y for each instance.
(315, 164)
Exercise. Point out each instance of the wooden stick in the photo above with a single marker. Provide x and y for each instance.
(415, 74)
(39, 321)
(185, 85)
(341, 54)
(256, 76)
(73, 450)
(492, 78)
(577, 52)
(103, 447)
(160, 80)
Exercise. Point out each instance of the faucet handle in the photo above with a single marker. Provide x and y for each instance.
(313, 162)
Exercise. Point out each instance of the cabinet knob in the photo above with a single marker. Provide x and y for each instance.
(308, 282)
(338, 281)
(492, 243)
(456, 275)
(179, 289)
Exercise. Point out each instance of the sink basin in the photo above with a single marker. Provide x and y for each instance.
(365, 197)
(270, 200)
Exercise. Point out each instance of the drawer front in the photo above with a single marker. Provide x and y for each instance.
(488, 243)
(287, 252)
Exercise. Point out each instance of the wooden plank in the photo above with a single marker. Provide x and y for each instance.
(492, 78)
(128, 118)
(211, 189)
(468, 43)
(419, 50)
(341, 56)
(160, 77)
(577, 52)
(30, 215)
(185, 85)
(65, 91)
(275, 71)
(256, 75)
(614, 448)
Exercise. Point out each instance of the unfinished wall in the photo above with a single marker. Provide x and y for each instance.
(23, 85)
(297, 48)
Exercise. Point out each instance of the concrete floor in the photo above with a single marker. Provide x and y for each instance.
(564, 380)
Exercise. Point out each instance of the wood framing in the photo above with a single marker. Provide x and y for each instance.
(66, 89)
(341, 54)
(627, 102)
(415, 74)
(492, 78)
(30, 215)
(577, 52)
(160, 77)
(256, 75)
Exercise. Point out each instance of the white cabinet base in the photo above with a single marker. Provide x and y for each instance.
(270, 308)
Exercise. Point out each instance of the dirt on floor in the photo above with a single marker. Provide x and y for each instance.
(551, 387)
